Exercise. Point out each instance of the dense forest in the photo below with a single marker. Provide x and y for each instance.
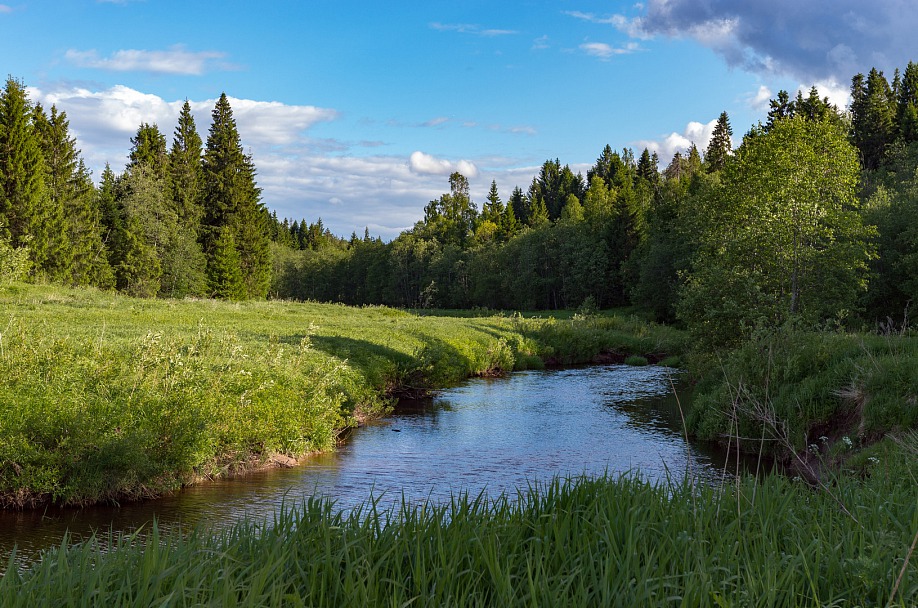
(813, 218)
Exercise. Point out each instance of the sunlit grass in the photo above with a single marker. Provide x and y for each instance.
(619, 542)
(105, 397)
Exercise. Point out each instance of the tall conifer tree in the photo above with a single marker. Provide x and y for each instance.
(187, 171)
(80, 257)
(721, 144)
(231, 200)
(24, 209)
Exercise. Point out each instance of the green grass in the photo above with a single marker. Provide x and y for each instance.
(618, 542)
(105, 397)
(831, 390)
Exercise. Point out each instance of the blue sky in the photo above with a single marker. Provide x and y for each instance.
(357, 111)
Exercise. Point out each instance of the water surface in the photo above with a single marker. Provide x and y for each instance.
(491, 435)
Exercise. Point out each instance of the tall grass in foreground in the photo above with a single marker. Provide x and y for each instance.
(583, 542)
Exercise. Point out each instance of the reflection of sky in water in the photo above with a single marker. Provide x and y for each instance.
(492, 435)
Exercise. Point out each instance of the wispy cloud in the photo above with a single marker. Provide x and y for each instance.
(5, 9)
(592, 18)
(435, 122)
(468, 28)
(607, 51)
(176, 60)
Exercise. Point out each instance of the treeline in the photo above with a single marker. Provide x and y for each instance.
(813, 218)
(179, 221)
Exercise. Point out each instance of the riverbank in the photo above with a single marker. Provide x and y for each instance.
(623, 542)
(821, 401)
(110, 398)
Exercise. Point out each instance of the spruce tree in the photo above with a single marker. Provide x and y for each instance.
(80, 257)
(873, 111)
(231, 200)
(720, 146)
(148, 147)
(186, 171)
(23, 193)
(110, 216)
(907, 104)
(224, 268)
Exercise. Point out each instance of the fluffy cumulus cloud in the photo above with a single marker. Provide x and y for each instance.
(175, 60)
(666, 147)
(425, 164)
(817, 40)
(300, 177)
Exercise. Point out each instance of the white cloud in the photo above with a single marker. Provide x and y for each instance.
(175, 60)
(695, 133)
(436, 122)
(300, 177)
(5, 9)
(758, 101)
(606, 51)
(425, 164)
(838, 94)
(469, 28)
(104, 121)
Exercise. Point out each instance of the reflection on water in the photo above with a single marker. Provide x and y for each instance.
(490, 435)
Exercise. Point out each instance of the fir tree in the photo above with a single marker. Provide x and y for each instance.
(148, 147)
(647, 167)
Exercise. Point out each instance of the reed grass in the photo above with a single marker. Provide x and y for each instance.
(574, 542)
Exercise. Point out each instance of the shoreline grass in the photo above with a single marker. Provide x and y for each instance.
(107, 398)
(582, 542)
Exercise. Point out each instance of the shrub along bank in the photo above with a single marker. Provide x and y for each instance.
(106, 397)
(816, 398)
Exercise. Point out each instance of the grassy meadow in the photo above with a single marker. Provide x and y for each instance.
(105, 397)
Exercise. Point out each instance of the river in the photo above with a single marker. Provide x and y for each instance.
(491, 435)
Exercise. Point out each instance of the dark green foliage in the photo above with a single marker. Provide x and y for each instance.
(186, 172)
(82, 258)
(148, 148)
(873, 113)
(892, 207)
(812, 107)
(26, 210)
(721, 144)
(907, 107)
(231, 201)
(224, 269)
